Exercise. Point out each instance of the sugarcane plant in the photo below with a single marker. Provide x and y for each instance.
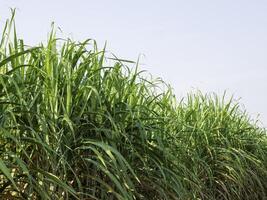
(76, 123)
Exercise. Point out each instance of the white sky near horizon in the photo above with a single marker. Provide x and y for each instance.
(210, 45)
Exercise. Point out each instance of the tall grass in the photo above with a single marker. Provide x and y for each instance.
(77, 125)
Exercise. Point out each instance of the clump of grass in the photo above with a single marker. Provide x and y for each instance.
(74, 125)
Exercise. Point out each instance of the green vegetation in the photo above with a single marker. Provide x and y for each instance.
(75, 124)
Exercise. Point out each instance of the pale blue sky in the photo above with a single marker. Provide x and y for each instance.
(209, 45)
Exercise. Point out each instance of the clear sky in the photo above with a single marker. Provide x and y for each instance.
(210, 45)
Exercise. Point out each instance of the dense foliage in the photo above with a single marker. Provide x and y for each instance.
(75, 124)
